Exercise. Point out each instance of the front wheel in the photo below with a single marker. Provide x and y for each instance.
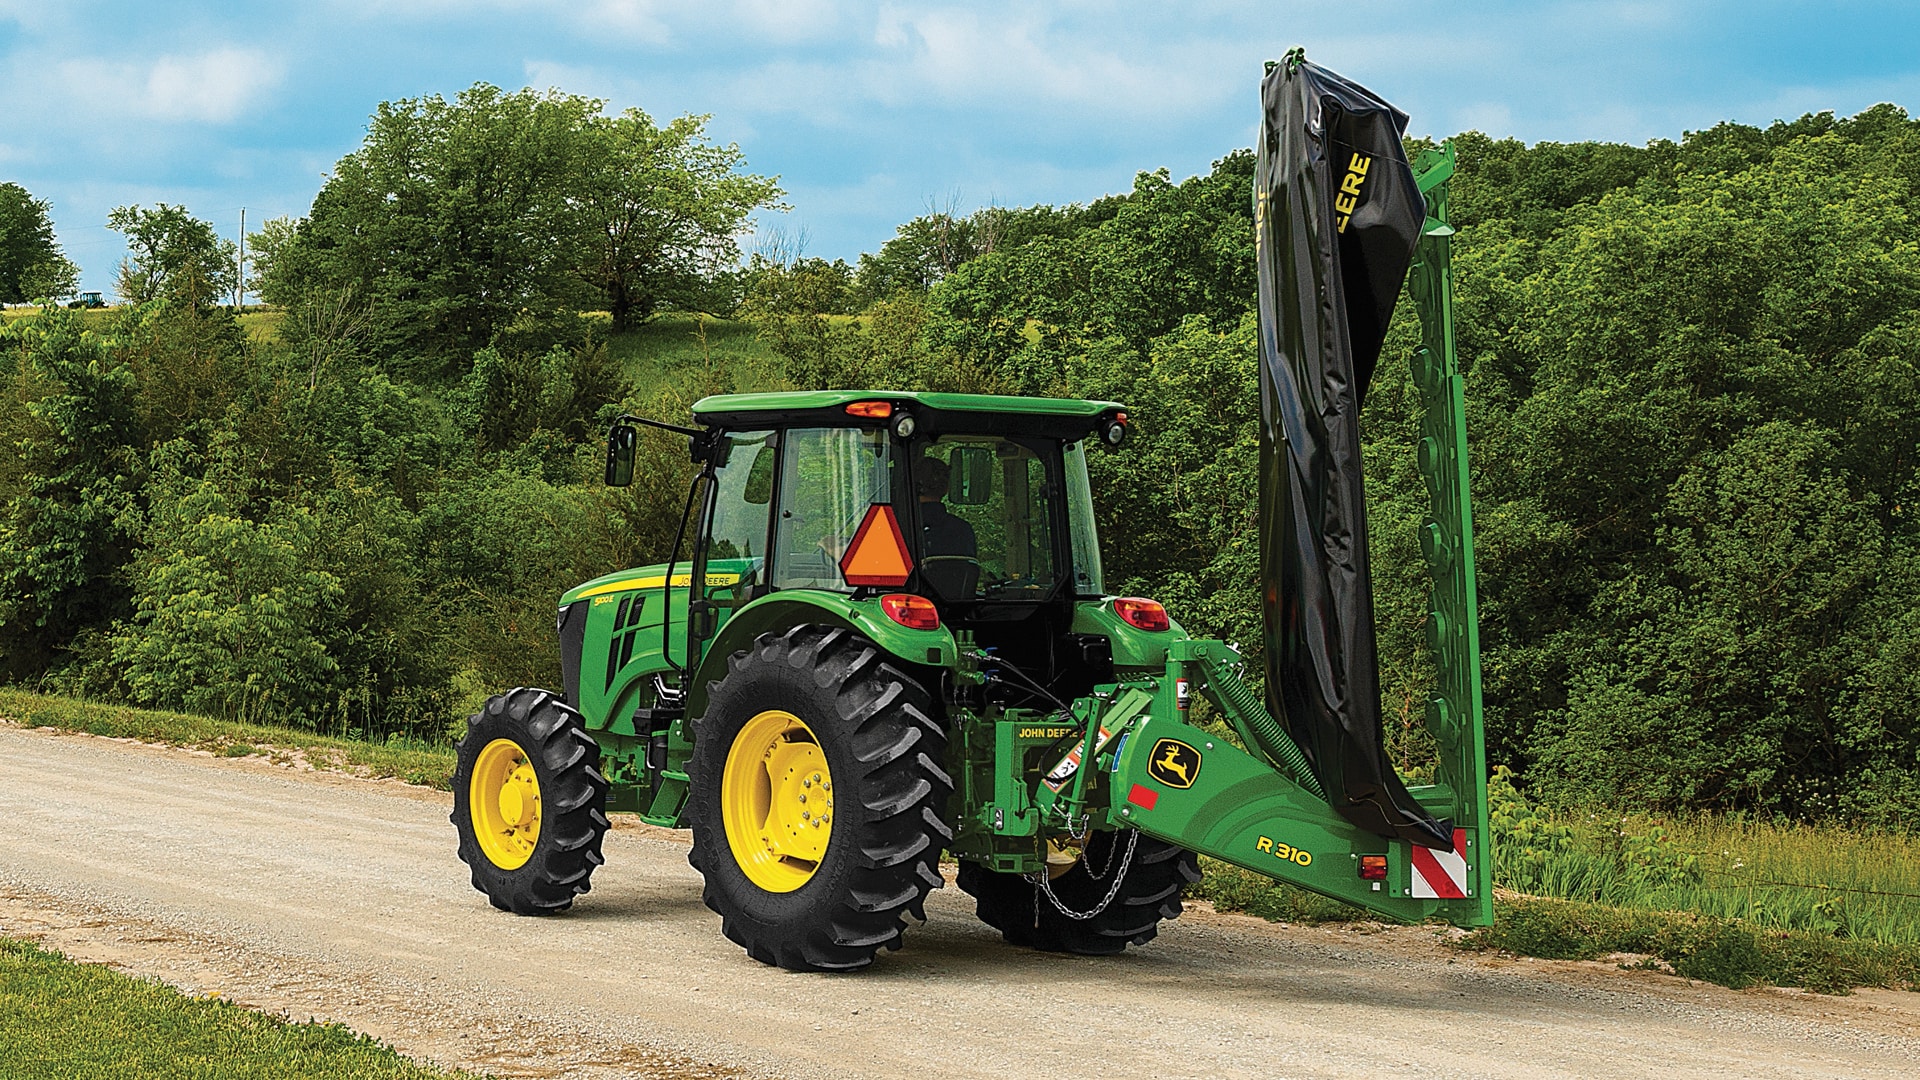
(529, 802)
(817, 799)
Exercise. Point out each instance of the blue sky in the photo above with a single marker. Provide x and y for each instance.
(870, 112)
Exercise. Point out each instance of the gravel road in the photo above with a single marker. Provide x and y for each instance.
(327, 896)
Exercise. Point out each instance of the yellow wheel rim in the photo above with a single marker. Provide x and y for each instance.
(776, 801)
(504, 802)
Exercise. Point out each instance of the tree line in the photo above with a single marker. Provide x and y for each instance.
(1693, 374)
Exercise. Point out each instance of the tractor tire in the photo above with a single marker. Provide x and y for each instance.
(817, 712)
(1155, 879)
(529, 802)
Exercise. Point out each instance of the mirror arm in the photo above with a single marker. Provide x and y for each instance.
(702, 442)
(691, 433)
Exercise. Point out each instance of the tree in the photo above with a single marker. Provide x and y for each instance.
(32, 266)
(453, 218)
(270, 251)
(67, 487)
(174, 256)
(232, 617)
(664, 208)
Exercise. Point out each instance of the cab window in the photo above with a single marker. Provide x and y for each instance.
(829, 477)
(986, 507)
(742, 501)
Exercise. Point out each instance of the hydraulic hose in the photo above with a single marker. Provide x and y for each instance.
(1255, 721)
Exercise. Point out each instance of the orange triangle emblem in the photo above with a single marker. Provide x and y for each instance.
(878, 554)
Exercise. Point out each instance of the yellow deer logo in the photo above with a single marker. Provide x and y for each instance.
(1174, 763)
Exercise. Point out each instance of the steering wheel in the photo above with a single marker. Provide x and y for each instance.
(962, 571)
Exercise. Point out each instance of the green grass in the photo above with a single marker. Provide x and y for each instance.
(413, 761)
(1730, 952)
(80, 1021)
(671, 344)
(1726, 900)
(1775, 877)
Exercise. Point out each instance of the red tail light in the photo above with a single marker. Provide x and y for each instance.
(1142, 614)
(910, 611)
(873, 410)
(1373, 868)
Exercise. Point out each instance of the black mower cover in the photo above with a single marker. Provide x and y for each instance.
(1338, 216)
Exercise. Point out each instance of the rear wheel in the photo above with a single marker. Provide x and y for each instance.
(528, 802)
(817, 799)
(1154, 874)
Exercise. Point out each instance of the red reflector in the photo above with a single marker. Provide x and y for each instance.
(878, 410)
(1373, 868)
(1143, 796)
(878, 554)
(910, 611)
(1142, 614)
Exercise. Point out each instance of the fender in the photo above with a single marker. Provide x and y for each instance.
(781, 611)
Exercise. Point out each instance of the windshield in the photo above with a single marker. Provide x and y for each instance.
(986, 512)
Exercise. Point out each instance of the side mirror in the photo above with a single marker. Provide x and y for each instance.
(759, 490)
(621, 443)
(970, 476)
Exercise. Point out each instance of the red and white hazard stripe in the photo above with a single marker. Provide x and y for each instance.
(1441, 875)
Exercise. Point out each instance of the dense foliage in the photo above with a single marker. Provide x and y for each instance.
(454, 217)
(32, 266)
(1693, 382)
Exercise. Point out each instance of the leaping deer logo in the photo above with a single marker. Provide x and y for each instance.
(1174, 763)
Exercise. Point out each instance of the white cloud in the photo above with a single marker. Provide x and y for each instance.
(629, 20)
(214, 87)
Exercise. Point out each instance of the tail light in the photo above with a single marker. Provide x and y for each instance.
(1373, 868)
(872, 410)
(1142, 614)
(910, 611)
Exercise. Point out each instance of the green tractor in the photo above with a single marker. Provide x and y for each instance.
(889, 640)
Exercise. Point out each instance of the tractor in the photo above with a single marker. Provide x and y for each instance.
(92, 298)
(885, 638)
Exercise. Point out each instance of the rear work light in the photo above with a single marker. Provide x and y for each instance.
(1142, 614)
(1373, 868)
(910, 611)
(873, 410)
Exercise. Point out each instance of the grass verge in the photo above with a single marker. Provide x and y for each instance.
(413, 761)
(79, 1021)
(1729, 952)
(1711, 948)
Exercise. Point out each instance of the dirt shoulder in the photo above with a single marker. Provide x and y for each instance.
(323, 895)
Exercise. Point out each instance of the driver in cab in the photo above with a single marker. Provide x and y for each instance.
(941, 531)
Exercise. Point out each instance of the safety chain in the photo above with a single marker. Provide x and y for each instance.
(1044, 885)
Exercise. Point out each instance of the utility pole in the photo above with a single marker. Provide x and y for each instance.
(240, 278)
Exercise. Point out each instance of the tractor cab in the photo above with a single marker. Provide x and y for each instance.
(977, 507)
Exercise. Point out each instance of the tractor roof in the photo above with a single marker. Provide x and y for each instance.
(1058, 417)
